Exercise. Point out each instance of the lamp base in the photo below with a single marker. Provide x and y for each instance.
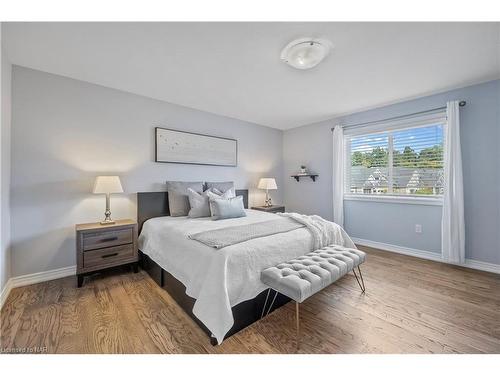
(107, 214)
(268, 201)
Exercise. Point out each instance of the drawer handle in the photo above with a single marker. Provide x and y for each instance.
(109, 255)
(109, 239)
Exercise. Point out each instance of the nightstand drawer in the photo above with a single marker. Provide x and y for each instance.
(108, 256)
(99, 240)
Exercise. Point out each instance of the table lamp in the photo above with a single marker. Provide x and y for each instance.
(107, 185)
(268, 184)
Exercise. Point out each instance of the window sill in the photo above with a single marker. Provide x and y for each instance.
(426, 201)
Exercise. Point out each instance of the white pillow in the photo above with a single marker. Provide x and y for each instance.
(199, 203)
(216, 193)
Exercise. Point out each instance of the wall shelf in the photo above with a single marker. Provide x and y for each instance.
(298, 176)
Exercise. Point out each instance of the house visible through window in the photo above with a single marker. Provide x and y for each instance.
(407, 161)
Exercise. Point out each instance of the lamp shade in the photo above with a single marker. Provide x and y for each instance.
(107, 185)
(267, 183)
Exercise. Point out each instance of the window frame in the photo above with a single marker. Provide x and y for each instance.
(389, 127)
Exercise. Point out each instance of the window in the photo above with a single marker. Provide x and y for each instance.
(404, 161)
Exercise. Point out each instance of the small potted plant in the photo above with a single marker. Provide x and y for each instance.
(303, 169)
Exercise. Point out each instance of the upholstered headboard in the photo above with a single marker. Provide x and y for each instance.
(155, 204)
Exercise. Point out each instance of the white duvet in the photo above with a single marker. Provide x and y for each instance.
(220, 278)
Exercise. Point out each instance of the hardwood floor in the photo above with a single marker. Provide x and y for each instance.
(411, 306)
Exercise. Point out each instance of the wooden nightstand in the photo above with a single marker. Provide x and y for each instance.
(272, 209)
(104, 246)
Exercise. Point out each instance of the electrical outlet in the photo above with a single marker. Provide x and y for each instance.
(418, 228)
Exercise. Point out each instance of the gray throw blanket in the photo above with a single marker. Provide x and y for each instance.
(220, 238)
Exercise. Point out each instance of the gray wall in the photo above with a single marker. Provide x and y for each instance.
(65, 132)
(5, 79)
(395, 223)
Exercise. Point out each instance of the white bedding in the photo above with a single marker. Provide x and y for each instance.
(219, 278)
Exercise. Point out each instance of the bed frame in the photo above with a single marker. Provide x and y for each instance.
(155, 204)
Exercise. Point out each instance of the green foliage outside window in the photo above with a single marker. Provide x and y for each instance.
(430, 157)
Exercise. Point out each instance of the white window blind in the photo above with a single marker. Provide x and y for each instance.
(406, 161)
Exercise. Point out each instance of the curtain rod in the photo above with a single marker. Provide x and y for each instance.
(461, 104)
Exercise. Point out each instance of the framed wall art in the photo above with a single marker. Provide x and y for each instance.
(175, 146)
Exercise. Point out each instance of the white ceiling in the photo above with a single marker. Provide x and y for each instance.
(233, 69)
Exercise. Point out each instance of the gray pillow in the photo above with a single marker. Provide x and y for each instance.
(199, 203)
(213, 193)
(178, 201)
(227, 208)
(221, 186)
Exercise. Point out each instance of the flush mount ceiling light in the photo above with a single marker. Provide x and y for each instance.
(306, 53)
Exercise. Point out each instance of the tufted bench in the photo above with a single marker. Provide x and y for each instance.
(306, 275)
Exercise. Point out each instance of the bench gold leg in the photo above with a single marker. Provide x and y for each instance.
(297, 323)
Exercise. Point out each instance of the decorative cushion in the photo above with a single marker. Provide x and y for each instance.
(178, 201)
(214, 193)
(221, 186)
(306, 275)
(227, 208)
(199, 204)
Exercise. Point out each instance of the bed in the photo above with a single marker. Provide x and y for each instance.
(219, 288)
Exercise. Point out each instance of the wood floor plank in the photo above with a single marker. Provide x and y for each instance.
(11, 314)
(476, 317)
(409, 319)
(163, 318)
(73, 302)
(411, 306)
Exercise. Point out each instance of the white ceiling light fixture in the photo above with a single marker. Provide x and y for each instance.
(306, 53)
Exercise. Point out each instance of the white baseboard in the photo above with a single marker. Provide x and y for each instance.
(398, 249)
(469, 263)
(5, 292)
(482, 266)
(39, 277)
(35, 278)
